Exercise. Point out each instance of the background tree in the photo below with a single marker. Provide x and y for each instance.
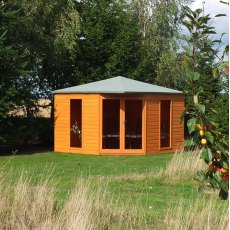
(159, 24)
(109, 40)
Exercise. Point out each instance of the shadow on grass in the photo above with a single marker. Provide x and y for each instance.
(28, 149)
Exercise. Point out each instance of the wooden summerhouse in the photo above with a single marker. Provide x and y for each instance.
(118, 116)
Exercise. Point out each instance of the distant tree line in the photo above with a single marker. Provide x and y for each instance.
(51, 44)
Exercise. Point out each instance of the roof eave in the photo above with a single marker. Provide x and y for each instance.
(115, 92)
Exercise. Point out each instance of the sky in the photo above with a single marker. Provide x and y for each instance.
(214, 7)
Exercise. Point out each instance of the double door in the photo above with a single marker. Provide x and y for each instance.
(122, 125)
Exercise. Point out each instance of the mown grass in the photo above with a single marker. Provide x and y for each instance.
(151, 183)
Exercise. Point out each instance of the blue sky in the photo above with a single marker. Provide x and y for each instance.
(214, 7)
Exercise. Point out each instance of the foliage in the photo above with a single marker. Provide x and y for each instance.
(18, 131)
(201, 108)
(159, 26)
(109, 40)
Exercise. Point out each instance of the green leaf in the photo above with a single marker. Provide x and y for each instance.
(201, 189)
(209, 32)
(206, 49)
(189, 143)
(223, 185)
(206, 155)
(191, 123)
(182, 117)
(217, 176)
(199, 11)
(221, 148)
(209, 136)
(195, 137)
(187, 25)
(220, 15)
(213, 182)
(201, 108)
(196, 76)
(225, 165)
(209, 154)
(201, 174)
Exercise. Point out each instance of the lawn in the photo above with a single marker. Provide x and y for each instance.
(133, 180)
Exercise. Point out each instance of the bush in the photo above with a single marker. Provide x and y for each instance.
(18, 131)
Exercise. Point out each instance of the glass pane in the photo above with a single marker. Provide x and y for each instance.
(111, 124)
(165, 123)
(75, 123)
(133, 124)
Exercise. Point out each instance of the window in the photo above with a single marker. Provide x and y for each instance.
(76, 123)
(165, 123)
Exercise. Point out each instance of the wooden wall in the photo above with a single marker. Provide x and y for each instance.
(90, 123)
(153, 123)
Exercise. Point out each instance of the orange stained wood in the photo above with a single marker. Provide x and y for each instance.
(92, 123)
(153, 123)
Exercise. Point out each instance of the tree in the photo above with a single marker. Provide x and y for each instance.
(13, 61)
(37, 44)
(205, 89)
(159, 24)
(108, 40)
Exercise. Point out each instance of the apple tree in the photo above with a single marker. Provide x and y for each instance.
(203, 87)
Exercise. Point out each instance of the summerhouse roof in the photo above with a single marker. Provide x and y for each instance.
(117, 85)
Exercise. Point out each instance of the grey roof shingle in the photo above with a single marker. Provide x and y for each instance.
(117, 85)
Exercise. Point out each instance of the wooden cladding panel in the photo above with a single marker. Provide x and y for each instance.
(153, 123)
(90, 123)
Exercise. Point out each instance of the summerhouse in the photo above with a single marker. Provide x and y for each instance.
(118, 116)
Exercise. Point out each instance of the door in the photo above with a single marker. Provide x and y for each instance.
(122, 125)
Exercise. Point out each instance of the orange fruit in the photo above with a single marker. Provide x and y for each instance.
(225, 178)
(224, 171)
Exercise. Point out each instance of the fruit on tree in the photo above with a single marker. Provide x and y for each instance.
(217, 154)
(225, 177)
(203, 141)
(201, 132)
(198, 127)
(205, 127)
(224, 171)
(211, 168)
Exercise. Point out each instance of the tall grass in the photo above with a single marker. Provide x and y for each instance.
(26, 206)
(198, 215)
(183, 166)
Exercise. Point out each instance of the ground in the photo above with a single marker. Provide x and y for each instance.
(134, 180)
